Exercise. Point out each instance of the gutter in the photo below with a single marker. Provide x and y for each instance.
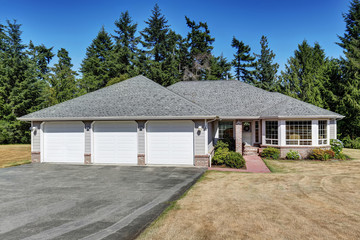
(305, 117)
(282, 117)
(117, 118)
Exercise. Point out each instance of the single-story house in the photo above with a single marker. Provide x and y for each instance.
(140, 122)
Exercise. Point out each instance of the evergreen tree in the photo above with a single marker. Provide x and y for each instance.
(62, 81)
(243, 62)
(125, 49)
(265, 68)
(200, 46)
(98, 67)
(348, 87)
(21, 90)
(160, 59)
(220, 69)
(155, 35)
(305, 74)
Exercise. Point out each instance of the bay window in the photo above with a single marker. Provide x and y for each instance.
(298, 133)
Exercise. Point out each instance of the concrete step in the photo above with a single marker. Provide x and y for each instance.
(250, 154)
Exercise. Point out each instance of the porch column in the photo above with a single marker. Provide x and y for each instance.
(238, 136)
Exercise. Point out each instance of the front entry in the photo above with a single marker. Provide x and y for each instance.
(246, 133)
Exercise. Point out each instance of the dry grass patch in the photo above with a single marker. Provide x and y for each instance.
(353, 153)
(13, 155)
(308, 200)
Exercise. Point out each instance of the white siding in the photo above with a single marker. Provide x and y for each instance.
(35, 137)
(141, 136)
(199, 138)
(87, 137)
(333, 129)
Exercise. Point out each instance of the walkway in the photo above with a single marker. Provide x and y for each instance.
(254, 164)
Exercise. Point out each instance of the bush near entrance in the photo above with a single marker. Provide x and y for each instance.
(223, 156)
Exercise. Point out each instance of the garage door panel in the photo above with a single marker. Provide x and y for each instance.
(170, 142)
(64, 142)
(115, 142)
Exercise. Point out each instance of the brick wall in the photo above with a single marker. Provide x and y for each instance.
(201, 160)
(141, 159)
(238, 136)
(304, 151)
(35, 157)
(87, 158)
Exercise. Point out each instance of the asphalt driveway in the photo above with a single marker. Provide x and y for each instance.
(49, 201)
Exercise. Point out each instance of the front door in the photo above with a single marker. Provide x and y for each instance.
(247, 136)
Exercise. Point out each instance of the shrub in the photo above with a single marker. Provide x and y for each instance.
(336, 146)
(351, 143)
(270, 152)
(293, 155)
(342, 156)
(230, 142)
(221, 144)
(321, 154)
(221, 152)
(235, 160)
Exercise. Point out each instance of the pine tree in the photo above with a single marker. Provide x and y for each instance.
(199, 42)
(348, 87)
(305, 74)
(265, 68)
(125, 49)
(243, 62)
(21, 89)
(220, 69)
(98, 67)
(155, 35)
(63, 85)
(160, 59)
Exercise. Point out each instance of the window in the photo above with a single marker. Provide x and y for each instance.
(322, 132)
(257, 131)
(226, 130)
(271, 130)
(298, 133)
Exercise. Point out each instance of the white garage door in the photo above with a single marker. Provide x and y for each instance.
(170, 142)
(64, 142)
(115, 142)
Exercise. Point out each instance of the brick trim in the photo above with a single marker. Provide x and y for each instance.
(35, 157)
(87, 158)
(201, 160)
(238, 136)
(141, 159)
(304, 151)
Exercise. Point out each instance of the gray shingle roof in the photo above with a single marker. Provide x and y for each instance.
(135, 98)
(237, 99)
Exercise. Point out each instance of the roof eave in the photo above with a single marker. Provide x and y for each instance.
(117, 118)
(282, 117)
(304, 117)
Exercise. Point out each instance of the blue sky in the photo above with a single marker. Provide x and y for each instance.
(74, 24)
